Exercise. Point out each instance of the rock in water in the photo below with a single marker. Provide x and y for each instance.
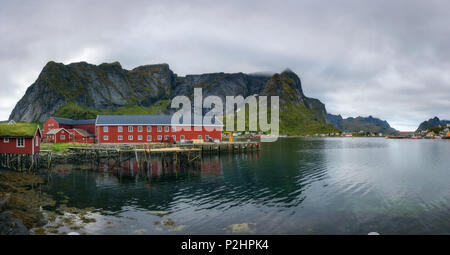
(11, 226)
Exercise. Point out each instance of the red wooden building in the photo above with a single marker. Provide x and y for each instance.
(20, 138)
(62, 135)
(81, 136)
(151, 129)
(57, 123)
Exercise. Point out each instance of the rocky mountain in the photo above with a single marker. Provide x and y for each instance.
(82, 90)
(434, 122)
(366, 124)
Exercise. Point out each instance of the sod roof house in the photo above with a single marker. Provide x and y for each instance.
(20, 138)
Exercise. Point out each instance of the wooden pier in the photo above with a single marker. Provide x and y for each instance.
(185, 154)
(19, 162)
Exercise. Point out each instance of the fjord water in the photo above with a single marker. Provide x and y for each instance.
(292, 186)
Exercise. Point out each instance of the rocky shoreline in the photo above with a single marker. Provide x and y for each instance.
(21, 202)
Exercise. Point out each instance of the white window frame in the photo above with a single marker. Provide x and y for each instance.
(37, 141)
(166, 137)
(120, 138)
(174, 137)
(105, 138)
(174, 129)
(105, 129)
(6, 140)
(159, 137)
(140, 129)
(199, 137)
(159, 128)
(62, 137)
(166, 129)
(149, 138)
(182, 137)
(120, 129)
(149, 128)
(20, 144)
(130, 128)
(139, 137)
(130, 138)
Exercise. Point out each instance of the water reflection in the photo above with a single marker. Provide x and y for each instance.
(293, 186)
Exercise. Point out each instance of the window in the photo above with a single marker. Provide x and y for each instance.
(159, 137)
(207, 137)
(166, 137)
(166, 129)
(149, 128)
(200, 137)
(62, 137)
(174, 137)
(37, 141)
(182, 137)
(20, 142)
(140, 137)
(120, 138)
(105, 138)
(174, 129)
(149, 138)
(105, 129)
(130, 138)
(119, 129)
(139, 128)
(159, 128)
(6, 140)
(130, 128)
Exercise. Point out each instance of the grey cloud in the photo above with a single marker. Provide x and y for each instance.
(383, 58)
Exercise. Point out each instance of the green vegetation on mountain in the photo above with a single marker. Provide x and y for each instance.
(77, 112)
(83, 91)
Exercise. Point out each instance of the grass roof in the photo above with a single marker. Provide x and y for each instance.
(18, 130)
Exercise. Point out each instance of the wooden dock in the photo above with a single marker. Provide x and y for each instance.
(184, 154)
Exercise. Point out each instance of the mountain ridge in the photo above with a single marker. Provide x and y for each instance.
(430, 123)
(82, 89)
(365, 124)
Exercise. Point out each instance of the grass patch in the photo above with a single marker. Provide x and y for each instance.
(18, 129)
(61, 147)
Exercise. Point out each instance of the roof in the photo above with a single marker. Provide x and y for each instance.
(83, 132)
(18, 130)
(55, 131)
(143, 120)
(65, 121)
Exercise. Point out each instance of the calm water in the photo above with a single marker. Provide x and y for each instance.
(293, 186)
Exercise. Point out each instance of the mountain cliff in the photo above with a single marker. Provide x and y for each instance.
(366, 124)
(434, 122)
(82, 90)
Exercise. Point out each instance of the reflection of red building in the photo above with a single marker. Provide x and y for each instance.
(211, 166)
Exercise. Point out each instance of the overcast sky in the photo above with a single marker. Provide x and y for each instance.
(389, 59)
